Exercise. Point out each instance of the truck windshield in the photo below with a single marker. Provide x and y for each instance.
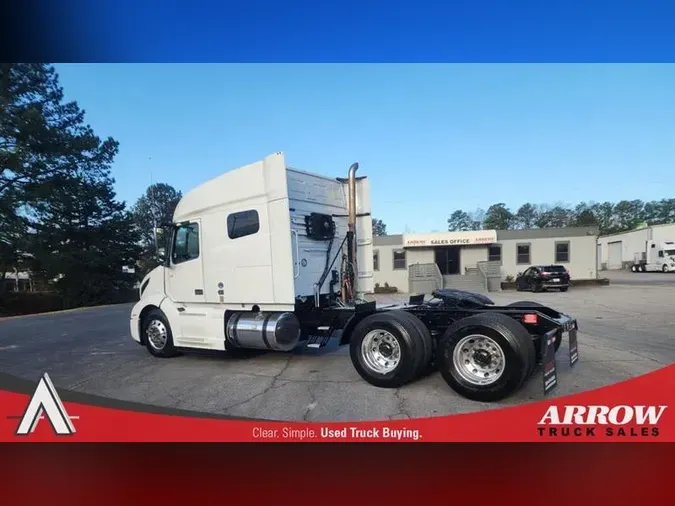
(669, 252)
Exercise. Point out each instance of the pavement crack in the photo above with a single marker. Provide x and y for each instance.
(275, 383)
(312, 402)
(269, 388)
(283, 369)
(400, 406)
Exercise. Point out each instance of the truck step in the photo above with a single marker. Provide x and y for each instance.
(321, 338)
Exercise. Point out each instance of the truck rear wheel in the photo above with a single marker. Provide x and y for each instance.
(389, 349)
(157, 335)
(427, 342)
(486, 357)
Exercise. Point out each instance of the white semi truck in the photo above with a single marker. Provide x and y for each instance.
(268, 257)
(658, 256)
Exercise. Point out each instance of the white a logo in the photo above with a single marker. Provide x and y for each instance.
(46, 401)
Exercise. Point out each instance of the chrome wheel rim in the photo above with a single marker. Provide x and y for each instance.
(381, 351)
(479, 359)
(156, 334)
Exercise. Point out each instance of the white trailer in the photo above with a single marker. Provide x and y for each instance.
(268, 257)
(658, 256)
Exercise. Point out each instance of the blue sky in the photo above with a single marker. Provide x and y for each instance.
(431, 138)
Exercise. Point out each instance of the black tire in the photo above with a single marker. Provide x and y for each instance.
(513, 340)
(664, 269)
(427, 342)
(410, 340)
(564, 288)
(168, 350)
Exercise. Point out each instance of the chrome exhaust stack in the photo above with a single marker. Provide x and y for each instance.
(352, 195)
(351, 233)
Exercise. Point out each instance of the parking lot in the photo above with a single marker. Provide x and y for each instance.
(625, 330)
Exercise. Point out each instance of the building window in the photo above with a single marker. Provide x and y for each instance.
(185, 243)
(242, 224)
(376, 260)
(522, 253)
(562, 252)
(495, 253)
(399, 259)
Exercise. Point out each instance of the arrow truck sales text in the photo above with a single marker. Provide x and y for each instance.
(589, 421)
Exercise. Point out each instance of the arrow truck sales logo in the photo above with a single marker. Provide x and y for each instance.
(45, 401)
(599, 420)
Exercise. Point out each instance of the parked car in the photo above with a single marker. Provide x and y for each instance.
(539, 278)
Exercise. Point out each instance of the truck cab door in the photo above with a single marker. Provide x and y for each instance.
(660, 260)
(184, 276)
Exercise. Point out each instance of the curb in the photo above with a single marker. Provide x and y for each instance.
(62, 311)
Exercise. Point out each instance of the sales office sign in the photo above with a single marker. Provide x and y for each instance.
(449, 239)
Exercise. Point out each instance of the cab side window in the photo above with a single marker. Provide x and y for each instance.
(185, 243)
(243, 224)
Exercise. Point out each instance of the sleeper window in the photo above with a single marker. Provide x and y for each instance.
(242, 224)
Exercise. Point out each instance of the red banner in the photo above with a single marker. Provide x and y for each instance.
(635, 410)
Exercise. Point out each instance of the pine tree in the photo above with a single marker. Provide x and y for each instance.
(42, 137)
(83, 240)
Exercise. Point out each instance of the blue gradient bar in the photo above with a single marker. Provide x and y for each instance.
(345, 31)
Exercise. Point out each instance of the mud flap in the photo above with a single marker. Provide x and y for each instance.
(574, 353)
(550, 374)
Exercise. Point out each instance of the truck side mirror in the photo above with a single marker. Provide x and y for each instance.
(160, 238)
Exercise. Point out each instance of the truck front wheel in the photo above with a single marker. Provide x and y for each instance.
(486, 357)
(157, 335)
(389, 349)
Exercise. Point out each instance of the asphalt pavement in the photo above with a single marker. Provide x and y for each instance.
(640, 278)
(626, 330)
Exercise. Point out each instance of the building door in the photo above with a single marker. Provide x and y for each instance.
(447, 259)
(614, 255)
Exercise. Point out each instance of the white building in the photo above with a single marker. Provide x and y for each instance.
(617, 251)
(465, 259)
(18, 282)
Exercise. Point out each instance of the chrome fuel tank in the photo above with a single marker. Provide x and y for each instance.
(264, 331)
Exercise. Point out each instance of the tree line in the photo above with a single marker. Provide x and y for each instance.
(63, 223)
(608, 217)
(61, 219)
